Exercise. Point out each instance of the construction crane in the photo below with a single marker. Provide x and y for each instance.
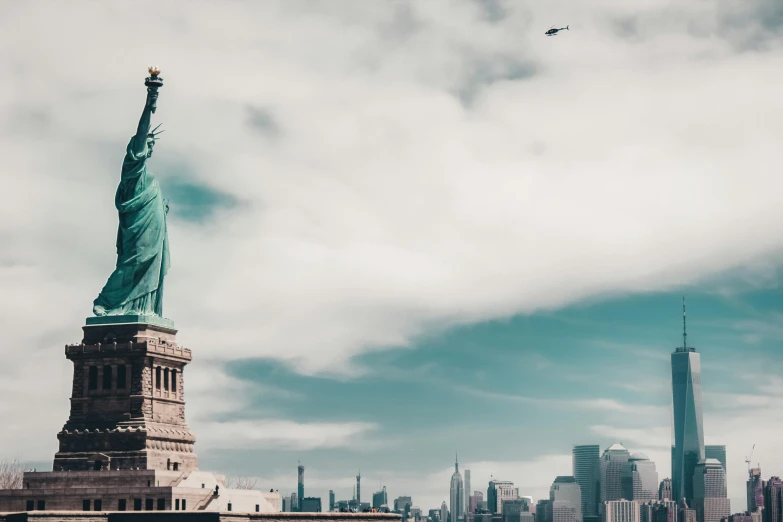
(747, 459)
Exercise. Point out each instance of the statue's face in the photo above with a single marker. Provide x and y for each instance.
(150, 146)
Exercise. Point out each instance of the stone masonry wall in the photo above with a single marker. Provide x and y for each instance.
(139, 422)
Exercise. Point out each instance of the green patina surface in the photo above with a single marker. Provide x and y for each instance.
(130, 319)
(135, 288)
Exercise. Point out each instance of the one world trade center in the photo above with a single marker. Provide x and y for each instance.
(688, 447)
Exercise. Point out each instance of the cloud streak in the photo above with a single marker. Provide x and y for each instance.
(600, 404)
(280, 435)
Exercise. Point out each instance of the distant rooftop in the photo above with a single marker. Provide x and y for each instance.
(564, 478)
(639, 456)
(616, 447)
(681, 349)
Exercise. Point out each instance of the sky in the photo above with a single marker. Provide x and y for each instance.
(405, 229)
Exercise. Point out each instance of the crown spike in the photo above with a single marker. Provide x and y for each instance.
(153, 132)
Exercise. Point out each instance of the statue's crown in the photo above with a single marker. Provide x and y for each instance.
(154, 135)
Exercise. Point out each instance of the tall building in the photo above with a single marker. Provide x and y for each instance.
(612, 462)
(685, 513)
(773, 500)
(331, 500)
(402, 505)
(716, 452)
(310, 505)
(359, 488)
(286, 505)
(646, 511)
(475, 501)
(709, 492)
(379, 498)
(444, 512)
(294, 502)
(661, 511)
(513, 510)
(483, 515)
(466, 492)
(456, 493)
(586, 467)
(755, 490)
(665, 490)
(544, 510)
(621, 511)
(566, 497)
(497, 492)
(639, 479)
(688, 449)
(300, 483)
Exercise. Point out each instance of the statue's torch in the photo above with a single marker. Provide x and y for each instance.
(153, 83)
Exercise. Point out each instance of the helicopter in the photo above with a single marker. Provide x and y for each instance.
(553, 32)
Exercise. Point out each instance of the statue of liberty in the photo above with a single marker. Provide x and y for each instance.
(136, 285)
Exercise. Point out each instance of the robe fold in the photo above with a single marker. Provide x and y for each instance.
(136, 285)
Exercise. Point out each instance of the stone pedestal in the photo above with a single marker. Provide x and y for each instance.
(126, 446)
(128, 400)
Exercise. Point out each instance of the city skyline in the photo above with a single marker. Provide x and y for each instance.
(713, 452)
(378, 213)
(616, 477)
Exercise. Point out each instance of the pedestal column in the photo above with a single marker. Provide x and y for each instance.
(134, 422)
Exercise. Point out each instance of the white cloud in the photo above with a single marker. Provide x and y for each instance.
(384, 208)
(35, 389)
(601, 404)
(753, 422)
(631, 438)
(218, 394)
(218, 414)
(729, 401)
(647, 352)
(280, 434)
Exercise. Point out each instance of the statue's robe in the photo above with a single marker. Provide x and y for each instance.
(136, 285)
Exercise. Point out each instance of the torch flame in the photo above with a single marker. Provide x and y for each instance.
(154, 70)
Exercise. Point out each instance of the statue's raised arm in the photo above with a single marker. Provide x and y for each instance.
(136, 285)
(143, 131)
(144, 139)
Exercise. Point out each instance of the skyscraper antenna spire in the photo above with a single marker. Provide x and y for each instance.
(684, 331)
